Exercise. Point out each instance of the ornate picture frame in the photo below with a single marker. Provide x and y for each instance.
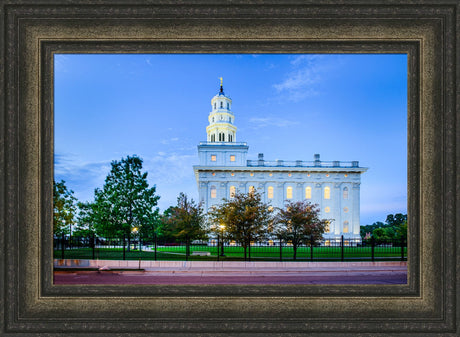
(33, 32)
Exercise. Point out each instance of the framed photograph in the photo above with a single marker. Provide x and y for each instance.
(283, 125)
(35, 33)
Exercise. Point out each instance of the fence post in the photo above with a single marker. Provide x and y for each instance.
(218, 247)
(124, 253)
(94, 245)
(402, 249)
(372, 247)
(281, 250)
(311, 247)
(341, 248)
(62, 246)
(155, 239)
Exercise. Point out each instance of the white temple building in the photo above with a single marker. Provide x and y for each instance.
(224, 169)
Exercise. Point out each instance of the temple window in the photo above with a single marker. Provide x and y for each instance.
(289, 192)
(345, 193)
(232, 191)
(270, 192)
(213, 192)
(327, 193)
(308, 193)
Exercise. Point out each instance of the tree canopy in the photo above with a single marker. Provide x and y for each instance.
(186, 221)
(245, 216)
(395, 227)
(64, 208)
(299, 222)
(125, 202)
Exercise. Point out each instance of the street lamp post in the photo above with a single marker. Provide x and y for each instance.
(222, 228)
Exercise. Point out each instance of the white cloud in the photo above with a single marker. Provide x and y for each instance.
(259, 122)
(304, 79)
(60, 61)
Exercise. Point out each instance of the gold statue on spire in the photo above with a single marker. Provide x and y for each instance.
(221, 81)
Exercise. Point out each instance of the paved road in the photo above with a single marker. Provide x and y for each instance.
(195, 277)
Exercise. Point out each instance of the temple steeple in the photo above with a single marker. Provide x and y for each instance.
(221, 119)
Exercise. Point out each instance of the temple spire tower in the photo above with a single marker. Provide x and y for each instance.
(221, 119)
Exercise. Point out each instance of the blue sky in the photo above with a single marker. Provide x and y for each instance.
(288, 106)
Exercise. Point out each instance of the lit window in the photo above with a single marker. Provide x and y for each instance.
(345, 192)
(345, 209)
(345, 175)
(251, 189)
(308, 193)
(213, 174)
(232, 191)
(345, 227)
(289, 175)
(270, 174)
(270, 192)
(251, 174)
(327, 228)
(327, 193)
(213, 157)
(270, 208)
(308, 174)
(327, 175)
(289, 192)
(233, 174)
(213, 192)
(327, 209)
(232, 158)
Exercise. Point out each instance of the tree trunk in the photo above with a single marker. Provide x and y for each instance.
(187, 246)
(245, 247)
(294, 247)
(129, 242)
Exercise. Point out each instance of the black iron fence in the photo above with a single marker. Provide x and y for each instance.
(342, 249)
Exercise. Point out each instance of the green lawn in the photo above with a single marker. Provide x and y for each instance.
(234, 253)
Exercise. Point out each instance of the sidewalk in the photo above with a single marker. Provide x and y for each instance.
(216, 267)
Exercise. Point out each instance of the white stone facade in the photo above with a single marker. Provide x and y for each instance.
(224, 169)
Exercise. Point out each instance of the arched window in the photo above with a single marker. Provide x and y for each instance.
(289, 192)
(327, 192)
(308, 193)
(213, 192)
(345, 193)
(221, 137)
(213, 119)
(232, 191)
(213, 138)
(215, 106)
(230, 138)
(345, 227)
(251, 189)
(228, 105)
(270, 192)
(230, 119)
(221, 104)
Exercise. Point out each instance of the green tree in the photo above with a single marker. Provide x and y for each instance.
(246, 218)
(125, 202)
(298, 222)
(85, 220)
(186, 221)
(64, 210)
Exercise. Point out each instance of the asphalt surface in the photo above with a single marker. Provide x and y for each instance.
(359, 276)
